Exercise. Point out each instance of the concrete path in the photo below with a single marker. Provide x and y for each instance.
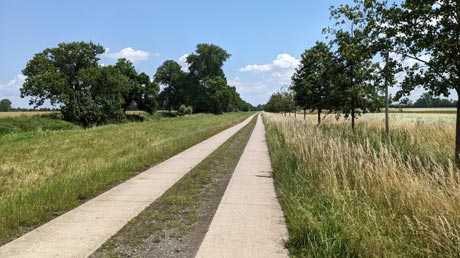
(79, 232)
(249, 221)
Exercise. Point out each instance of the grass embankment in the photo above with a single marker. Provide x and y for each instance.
(45, 173)
(344, 197)
(161, 229)
(28, 123)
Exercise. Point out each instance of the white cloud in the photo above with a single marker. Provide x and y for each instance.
(10, 90)
(12, 86)
(282, 61)
(129, 53)
(256, 68)
(183, 62)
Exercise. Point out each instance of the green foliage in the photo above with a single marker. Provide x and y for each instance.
(171, 75)
(181, 110)
(89, 94)
(280, 102)
(312, 83)
(5, 105)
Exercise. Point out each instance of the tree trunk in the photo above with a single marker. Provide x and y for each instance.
(353, 119)
(319, 116)
(387, 122)
(304, 114)
(457, 134)
(295, 113)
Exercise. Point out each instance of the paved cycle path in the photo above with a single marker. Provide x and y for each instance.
(249, 221)
(79, 232)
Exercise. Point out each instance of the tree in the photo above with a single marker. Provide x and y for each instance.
(429, 33)
(312, 81)
(139, 89)
(5, 105)
(282, 101)
(172, 77)
(354, 77)
(88, 94)
(205, 66)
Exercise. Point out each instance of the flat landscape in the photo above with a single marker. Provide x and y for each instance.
(45, 173)
(363, 194)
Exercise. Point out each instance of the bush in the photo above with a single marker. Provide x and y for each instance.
(189, 110)
(182, 110)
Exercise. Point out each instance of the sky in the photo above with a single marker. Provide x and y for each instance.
(265, 38)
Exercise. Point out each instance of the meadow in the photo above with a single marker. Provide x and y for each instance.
(362, 194)
(44, 173)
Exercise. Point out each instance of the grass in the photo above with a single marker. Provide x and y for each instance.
(350, 198)
(27, 113)
(28, 123)
(45, 173)
(174, 214)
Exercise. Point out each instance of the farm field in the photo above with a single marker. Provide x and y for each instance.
(363, 195)
(419, 115)
(26, 113)
(45, 173)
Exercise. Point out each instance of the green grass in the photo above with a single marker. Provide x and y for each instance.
(19, 124)
(175, 212)
(45, 173)
(344, 197)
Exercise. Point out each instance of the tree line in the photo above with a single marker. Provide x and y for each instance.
(370, 44)
(89, 93)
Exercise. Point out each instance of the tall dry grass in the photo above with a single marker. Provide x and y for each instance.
(345, 198)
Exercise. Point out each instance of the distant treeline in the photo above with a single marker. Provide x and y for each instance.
(88, 93)
(427, 101)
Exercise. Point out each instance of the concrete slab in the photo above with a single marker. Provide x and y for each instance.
(79, 232)
(249, 221)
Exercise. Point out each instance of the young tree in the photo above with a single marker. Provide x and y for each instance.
(312, 81)
(354, 75)
(5, 105)
(429, 33)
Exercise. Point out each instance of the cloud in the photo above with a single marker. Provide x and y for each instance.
(10, 90)
(282, 61)
(129, 53)
(12, 86)
(261, 80)
(256, 68)
(183, 62)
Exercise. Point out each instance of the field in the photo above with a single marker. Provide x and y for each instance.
(26, 113)
(362, 194)
(45, 173)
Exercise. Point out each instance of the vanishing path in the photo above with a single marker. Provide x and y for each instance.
(79, 232)
(249, 221)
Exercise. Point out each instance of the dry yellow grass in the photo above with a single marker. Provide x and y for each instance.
(345, 199)
(27, 113)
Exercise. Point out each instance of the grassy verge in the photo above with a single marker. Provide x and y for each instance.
(159, 231)
(345, 198)
(45, 173)
(27, 123)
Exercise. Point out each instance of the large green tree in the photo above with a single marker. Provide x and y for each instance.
(5, 105)
(206, 85)
(312, 81)
(69, 76)
(140, 90)
(171, 76)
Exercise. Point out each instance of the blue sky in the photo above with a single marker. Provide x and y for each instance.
(265, 38)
